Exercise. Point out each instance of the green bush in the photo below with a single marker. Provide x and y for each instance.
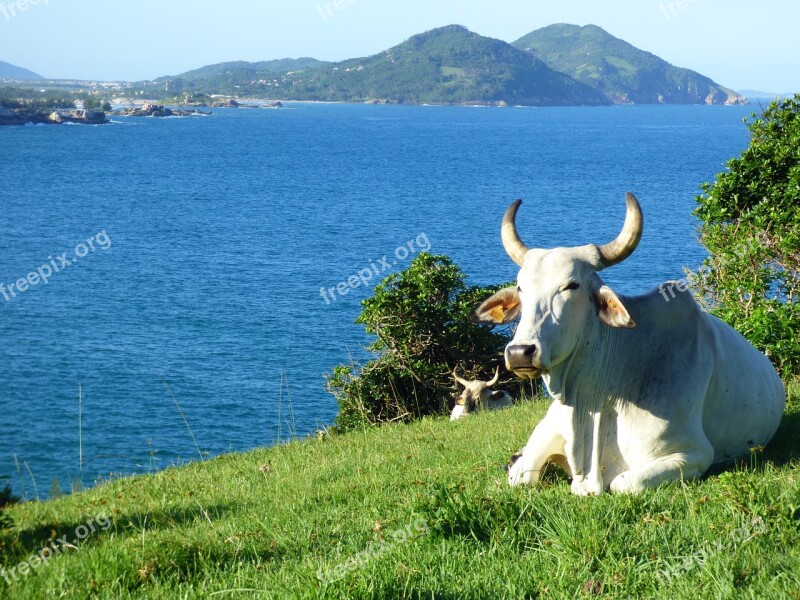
(29, 99)
(51, 103)
(92, 103)
(6, 498)
(751, 227)
(420, 319)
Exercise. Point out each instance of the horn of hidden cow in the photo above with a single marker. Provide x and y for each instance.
(458, 379)
(494, 379)
(508, 232)
(627, 240)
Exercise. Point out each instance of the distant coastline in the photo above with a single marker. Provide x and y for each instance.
(557, 65)
(149, 108)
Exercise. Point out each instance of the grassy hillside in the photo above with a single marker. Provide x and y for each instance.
(417, 511)
(621, 71)
(251, 69)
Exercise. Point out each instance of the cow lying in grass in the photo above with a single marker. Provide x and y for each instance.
(646, 389)
(477, 396)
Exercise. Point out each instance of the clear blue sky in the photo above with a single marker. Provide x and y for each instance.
(739, 43)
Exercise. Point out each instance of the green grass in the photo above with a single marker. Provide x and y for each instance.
(265, 523)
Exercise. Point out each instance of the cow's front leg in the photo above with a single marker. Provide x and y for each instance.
(672, 467)
(584, 452)
(544, 443)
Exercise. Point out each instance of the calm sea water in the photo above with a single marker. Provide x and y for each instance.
(200, 246)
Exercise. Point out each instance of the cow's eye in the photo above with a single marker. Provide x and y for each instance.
(573, 286)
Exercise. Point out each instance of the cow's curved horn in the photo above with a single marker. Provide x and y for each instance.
(458, 379)
(508, 232)
(627, 240)
(494, 379)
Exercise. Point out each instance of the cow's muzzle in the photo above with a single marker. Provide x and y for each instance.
(521, 359)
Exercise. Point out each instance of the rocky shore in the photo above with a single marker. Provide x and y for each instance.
(22, 116)
(156, 110)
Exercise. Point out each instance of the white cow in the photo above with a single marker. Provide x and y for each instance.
(646, 390)
(478, 396)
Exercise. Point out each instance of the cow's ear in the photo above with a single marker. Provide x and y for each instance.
(611, 310)
(502, 307)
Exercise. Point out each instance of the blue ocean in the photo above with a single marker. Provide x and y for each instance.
(179, 287)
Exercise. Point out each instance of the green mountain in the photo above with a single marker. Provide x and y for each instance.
(237, 77)
(9, 71)
(625, 74)
(254, 69)
(449, 65)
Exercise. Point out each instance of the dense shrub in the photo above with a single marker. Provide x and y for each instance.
(420, 319)
(30, 99)
(91, 102)
(6, 498)
(751, 228)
